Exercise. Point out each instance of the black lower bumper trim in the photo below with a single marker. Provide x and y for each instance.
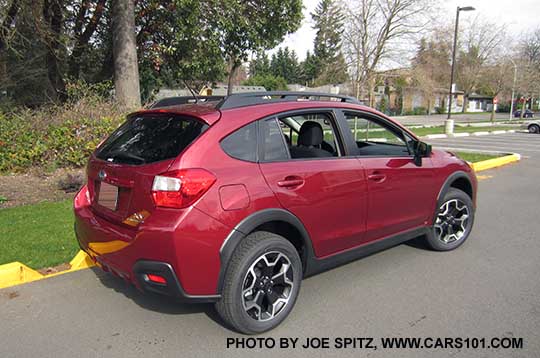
(172, 288)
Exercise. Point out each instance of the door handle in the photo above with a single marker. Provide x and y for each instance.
(290, 182)
(377, 177)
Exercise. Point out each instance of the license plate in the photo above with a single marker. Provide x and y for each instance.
(108, 196)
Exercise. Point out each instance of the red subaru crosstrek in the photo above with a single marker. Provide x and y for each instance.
(235, 200)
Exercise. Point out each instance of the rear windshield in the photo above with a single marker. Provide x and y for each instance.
(150, 138)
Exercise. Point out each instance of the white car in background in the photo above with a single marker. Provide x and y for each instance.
(532, 126)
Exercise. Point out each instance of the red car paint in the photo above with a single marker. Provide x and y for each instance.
(343, 202)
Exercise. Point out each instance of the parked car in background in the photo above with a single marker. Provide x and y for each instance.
(532, 126)
(528, 114)
(235, 201)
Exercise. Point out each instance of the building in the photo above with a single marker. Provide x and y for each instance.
(221, 90)
(218, 90)
(480, 103)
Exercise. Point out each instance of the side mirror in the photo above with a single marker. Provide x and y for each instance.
(421, 150)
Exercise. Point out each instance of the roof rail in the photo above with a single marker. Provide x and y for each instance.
(244, 99)
(176, 101)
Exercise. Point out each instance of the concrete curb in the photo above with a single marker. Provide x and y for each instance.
(16, 273)
(467, 134)
(495, 162)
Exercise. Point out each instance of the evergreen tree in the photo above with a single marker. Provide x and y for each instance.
(309, 69)
(260, 65)
(329, 61)
(285, 64)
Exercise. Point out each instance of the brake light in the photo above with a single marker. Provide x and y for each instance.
(180, 188)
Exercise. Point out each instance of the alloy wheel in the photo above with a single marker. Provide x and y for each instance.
(452, 221)
(267, 286)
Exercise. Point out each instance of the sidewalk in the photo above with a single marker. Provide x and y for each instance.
(438, 119)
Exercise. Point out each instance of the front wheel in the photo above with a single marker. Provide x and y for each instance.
(453, 221)
(261, 284)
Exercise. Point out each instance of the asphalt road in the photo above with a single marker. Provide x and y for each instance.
(489, 287)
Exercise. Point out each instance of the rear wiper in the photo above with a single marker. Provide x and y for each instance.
(123, 155)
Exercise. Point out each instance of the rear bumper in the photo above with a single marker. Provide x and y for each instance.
(173, 288)
(181, 246)
(138, 277)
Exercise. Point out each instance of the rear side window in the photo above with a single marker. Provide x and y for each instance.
(146, 139)
(242, 143)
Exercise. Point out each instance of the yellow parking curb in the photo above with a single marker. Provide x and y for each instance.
(16, 273)
(495, 162)
(81, 261)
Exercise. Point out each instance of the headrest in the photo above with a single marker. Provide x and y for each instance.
(311, 134)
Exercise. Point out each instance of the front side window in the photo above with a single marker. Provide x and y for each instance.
(375, 138)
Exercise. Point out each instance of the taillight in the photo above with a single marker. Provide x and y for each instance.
(82, 198)
(180, 188)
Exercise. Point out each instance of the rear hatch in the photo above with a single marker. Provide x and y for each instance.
(122, 170)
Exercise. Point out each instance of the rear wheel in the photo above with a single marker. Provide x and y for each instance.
(453, 221)
(261, 284)
(534, 128)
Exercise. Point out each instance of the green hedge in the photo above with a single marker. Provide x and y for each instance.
(52, 138)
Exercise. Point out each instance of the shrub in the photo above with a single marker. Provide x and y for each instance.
(503, 108)
(419, 110)
(269, 82)
(440, 110)
(56, 136)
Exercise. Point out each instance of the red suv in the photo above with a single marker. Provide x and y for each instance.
(234, 201)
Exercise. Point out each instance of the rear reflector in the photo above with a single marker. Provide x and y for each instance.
(181, 188)
(156, 278)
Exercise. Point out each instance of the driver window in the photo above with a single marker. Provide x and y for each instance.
(373, 138)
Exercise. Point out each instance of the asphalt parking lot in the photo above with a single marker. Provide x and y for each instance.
(527, 144)
(489, 287)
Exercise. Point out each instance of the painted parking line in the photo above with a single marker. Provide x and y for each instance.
(489, 146)
(523, 143)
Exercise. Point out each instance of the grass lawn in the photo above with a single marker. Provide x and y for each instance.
(476, 157)
(39, 235)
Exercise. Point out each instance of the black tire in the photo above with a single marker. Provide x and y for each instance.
(435, 238)
(534, 128)
(248, 253)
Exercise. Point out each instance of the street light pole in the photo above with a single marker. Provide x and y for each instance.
(449, 123)
(513, 90)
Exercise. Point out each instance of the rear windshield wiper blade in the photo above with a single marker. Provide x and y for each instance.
(124, 155)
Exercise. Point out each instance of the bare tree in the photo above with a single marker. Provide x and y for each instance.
(7, 20)
(481, 46)
(373, 29)
(528, 61)
(430, 67)
(496, 78)
(126, 69)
